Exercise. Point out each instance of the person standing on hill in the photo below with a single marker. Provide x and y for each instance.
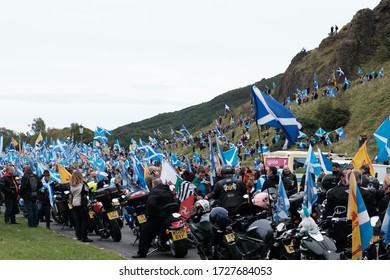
(29, 188)
(11, 189)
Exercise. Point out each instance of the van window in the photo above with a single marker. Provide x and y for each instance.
(298, 165)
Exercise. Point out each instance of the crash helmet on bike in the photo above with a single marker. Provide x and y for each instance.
(227, 170)
(262, 199)
(219, 217)
(92, 186)
(202, 206)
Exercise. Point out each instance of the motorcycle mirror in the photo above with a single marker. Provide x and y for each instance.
(245, 196)
(66, 192)
(338, 210)
(281, 227)
(176, 215)
(375, 221)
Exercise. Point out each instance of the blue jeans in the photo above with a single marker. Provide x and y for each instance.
(32, 212)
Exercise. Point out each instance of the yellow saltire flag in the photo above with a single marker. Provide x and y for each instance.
(64, 174)
(361, 158)
(353, 215)
(39, 138)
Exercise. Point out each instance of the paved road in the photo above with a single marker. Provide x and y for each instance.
(125, 247)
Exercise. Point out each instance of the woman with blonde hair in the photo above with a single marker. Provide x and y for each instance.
(79, 191)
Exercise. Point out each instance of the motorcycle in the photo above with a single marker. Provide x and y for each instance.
(61, 211)
(104, 214)
(312, 245)
(173, 237)
(134, 211)
(247, 235)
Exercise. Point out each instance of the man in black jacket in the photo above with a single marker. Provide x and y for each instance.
(272, 180)
(289, 181)
(29, 188)
(11, 189)
(158, 198)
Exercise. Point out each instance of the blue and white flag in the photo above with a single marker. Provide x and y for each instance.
(312, 162)
(231, 156)
(340, 132)
(382, 136)
(326, 164)
(310, 192)
(386, 225)
(360, 71)
(320, 132)
(302, 135)
(347, 83)
(282, 203)
(272, 113)
(381, 73)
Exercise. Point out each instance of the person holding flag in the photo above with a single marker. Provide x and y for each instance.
(46, 198)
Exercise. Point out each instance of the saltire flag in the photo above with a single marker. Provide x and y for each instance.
(310, 195)
(347, 83)
(362, 230)
(175, 161)
(39, 138)
(382, 136)
(169, 176)
(361, 158)
(340, 71)
(64, 174)
(386, 225)
(282, 203)
(301, 135)
(381, 73)
(312, 162)
(340, 133)
(231, 156)
(327, 139)
(139, 172)
(326, 164)
(320, 132)
(101, 130)
(315, 82)
(272, 113)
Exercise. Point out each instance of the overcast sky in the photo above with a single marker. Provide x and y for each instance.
(110, 63)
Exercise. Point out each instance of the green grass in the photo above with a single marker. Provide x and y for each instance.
(20, 242)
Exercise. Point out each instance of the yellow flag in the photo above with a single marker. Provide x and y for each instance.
(64, 174)
(353, 215)
(39, 138)
(361, 158)
(14, 142)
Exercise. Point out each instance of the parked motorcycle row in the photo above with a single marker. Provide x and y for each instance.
(250, 233)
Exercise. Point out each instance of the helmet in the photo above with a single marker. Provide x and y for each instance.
(227, 169)
(262, 200)
(92, 186)
(202, 206)
(219, 217)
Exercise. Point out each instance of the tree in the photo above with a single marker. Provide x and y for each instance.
(38, 125)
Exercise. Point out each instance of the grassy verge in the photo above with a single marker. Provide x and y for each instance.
(19, 242)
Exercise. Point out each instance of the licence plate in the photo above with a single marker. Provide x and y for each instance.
(230, 237)
(179, 234)
(70, 206)
(113, 215)
(290, 248)
(141, 218)
(91, 214)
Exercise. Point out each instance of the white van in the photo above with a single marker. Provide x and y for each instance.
(380, 171)
(294, 159)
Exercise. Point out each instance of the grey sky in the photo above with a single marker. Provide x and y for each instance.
(110, 63)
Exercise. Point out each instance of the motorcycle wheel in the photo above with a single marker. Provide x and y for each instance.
(179, 249)
(57, 218)
(116, 234)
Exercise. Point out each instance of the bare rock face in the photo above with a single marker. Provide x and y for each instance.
(351, 47)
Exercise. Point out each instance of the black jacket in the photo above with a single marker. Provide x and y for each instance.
(158, 198)
(229, 193)
(271, 182)
(8, 186)
(27, 191)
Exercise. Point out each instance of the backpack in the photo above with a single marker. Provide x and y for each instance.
(33, 180)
